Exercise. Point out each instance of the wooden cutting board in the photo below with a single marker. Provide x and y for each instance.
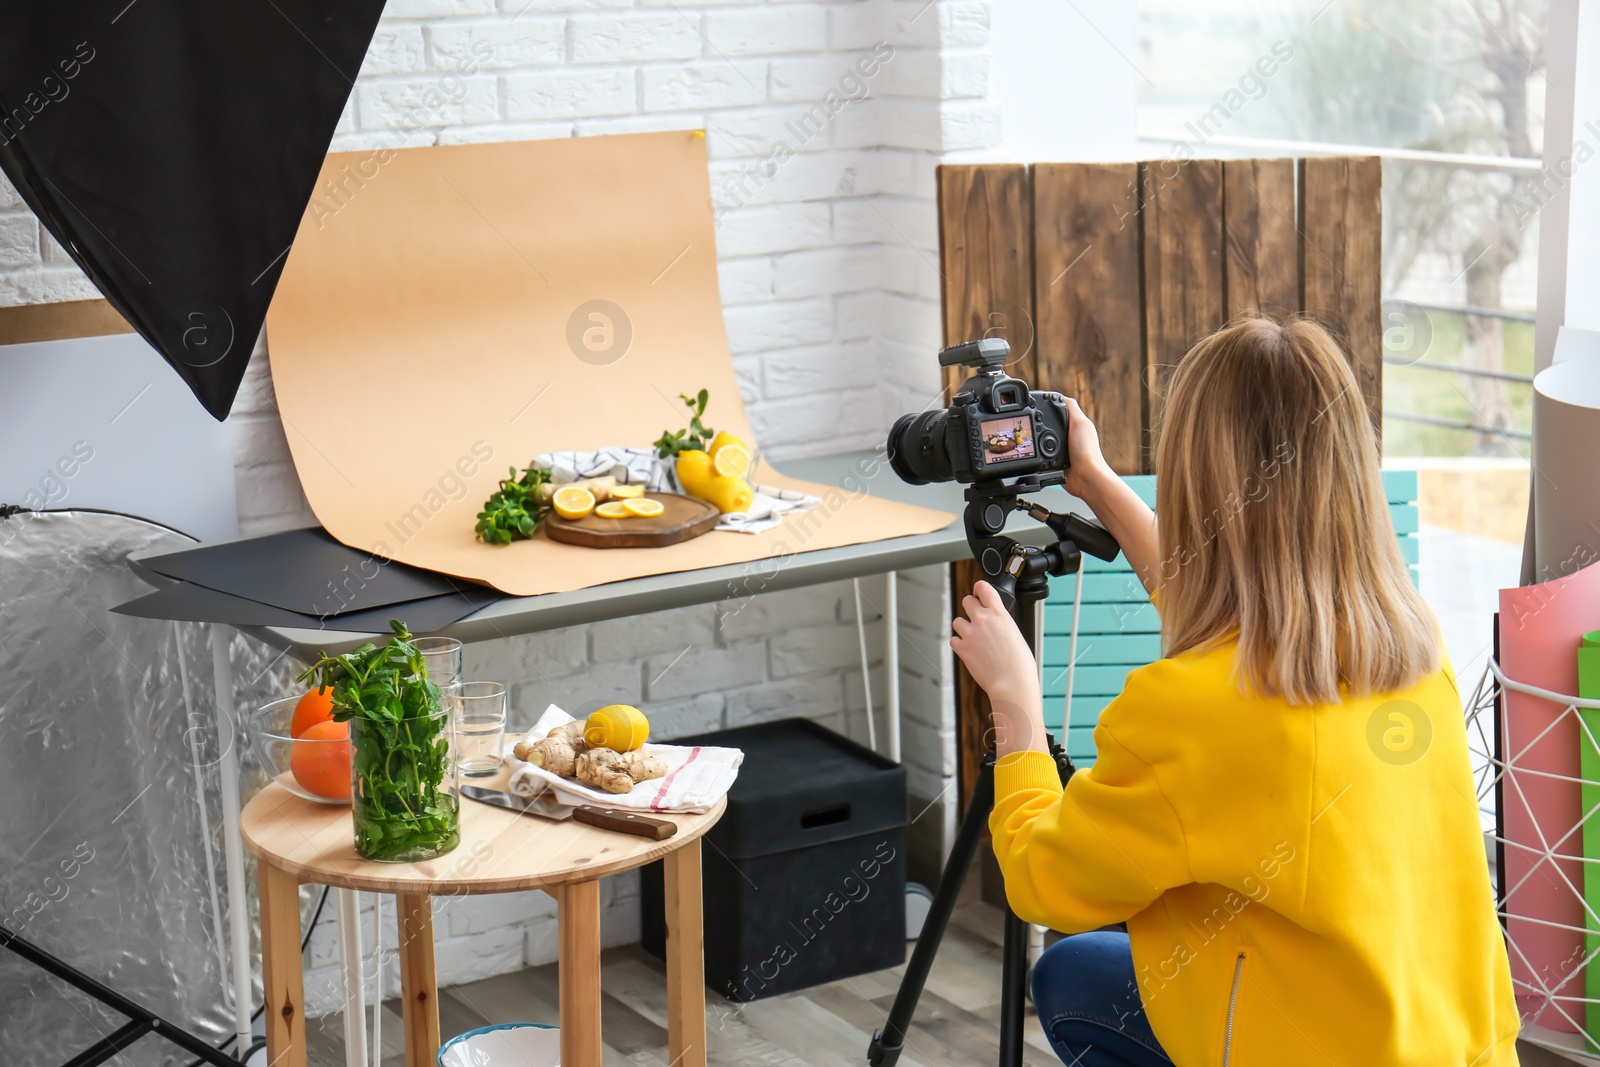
(684, 518)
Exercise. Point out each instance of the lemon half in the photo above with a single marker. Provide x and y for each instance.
(732, 461)
(572, 501)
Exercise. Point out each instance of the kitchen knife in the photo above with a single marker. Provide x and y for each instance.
(547, 806)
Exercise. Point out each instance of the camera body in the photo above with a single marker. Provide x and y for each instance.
(995, 426)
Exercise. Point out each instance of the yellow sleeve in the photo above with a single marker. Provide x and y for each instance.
(1098, 852)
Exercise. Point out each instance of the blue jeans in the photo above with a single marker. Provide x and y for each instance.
(1088, 1003)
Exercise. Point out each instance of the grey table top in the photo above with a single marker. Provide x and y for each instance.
(851, 471)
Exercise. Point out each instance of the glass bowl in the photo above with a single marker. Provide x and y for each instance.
(315, 769)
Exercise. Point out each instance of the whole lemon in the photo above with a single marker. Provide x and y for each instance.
(728, 493)
(694, 470)
(619, 726)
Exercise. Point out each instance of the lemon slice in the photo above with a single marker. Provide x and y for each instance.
(643, 508)
(623, 492)
(613, 509)
(572, 501)
(732, 461)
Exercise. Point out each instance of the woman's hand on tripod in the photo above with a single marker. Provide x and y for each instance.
(994, 651)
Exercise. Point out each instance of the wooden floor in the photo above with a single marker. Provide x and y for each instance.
(828, 1026)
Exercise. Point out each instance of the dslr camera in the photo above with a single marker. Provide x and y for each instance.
(995, 427)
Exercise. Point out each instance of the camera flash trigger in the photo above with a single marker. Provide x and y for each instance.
(984, 352)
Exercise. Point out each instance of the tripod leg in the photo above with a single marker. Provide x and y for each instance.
(888, 1043)
(1013, 990)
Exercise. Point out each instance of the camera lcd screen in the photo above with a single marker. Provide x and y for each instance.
(1007, 439)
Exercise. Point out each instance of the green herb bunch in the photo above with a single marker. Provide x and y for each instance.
(696, 437)
(514, 511)
(399, 747)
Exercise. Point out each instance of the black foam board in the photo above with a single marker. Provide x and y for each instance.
(306, 571)
(186, 602)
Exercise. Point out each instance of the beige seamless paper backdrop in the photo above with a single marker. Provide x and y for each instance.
(420, 347)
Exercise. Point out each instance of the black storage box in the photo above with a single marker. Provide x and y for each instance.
(805, 875)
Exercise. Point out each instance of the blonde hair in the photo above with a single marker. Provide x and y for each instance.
(1273, 522)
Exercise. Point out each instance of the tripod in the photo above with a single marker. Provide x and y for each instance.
(1021, 575)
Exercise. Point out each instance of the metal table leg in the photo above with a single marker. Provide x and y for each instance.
(355, 1011)
(232, 846)
(891, 661)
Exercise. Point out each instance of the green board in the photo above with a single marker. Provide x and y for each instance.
(1589, 771)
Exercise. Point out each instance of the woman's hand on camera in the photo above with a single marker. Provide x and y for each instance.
(1087, 469)
(989, 643)
(1119, 509)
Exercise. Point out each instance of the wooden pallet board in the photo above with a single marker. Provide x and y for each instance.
(1086, 297)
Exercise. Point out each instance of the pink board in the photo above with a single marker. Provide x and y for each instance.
(1540, 627)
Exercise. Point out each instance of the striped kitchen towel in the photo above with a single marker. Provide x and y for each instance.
(697, 775)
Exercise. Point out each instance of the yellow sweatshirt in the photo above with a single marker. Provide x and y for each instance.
(1302, 885)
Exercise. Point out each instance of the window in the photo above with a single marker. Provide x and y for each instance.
(1458, 88)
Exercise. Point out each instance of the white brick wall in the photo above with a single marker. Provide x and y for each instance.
(824, 123)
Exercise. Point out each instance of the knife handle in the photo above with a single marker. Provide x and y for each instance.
(624, 822)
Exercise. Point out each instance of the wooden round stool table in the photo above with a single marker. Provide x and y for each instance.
(298, 841)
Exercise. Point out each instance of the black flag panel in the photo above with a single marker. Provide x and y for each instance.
(171, 146)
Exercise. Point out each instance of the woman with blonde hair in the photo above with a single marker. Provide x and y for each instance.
(1281, 809)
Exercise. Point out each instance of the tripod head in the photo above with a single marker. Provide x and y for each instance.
(1018, 572)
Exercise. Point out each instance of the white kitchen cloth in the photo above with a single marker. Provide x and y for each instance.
(630, 466)
(697, 776)
(766, 510)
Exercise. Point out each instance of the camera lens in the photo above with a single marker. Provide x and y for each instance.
(917, 451)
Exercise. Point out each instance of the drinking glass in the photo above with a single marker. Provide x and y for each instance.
(442, 655)
(479, 712)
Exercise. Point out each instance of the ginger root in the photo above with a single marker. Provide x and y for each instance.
(572, 732)
(618, 772)
(555, 754)
(558, 752)
(600, 487)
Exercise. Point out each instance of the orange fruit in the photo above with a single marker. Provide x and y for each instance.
(320, 761)
(316, 706)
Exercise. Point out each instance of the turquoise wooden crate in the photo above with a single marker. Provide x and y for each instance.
(1099, 650)
(1124, 618)
(1080, 742)
(1085, 710)
(1118, 628)
(1089, 682)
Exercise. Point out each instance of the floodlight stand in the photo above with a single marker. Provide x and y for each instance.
(1020, 574)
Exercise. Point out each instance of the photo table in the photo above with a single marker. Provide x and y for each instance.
(859, 473)
(297, 840)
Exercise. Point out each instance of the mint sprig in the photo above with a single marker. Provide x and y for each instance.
(514, 511)
(696, 437)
